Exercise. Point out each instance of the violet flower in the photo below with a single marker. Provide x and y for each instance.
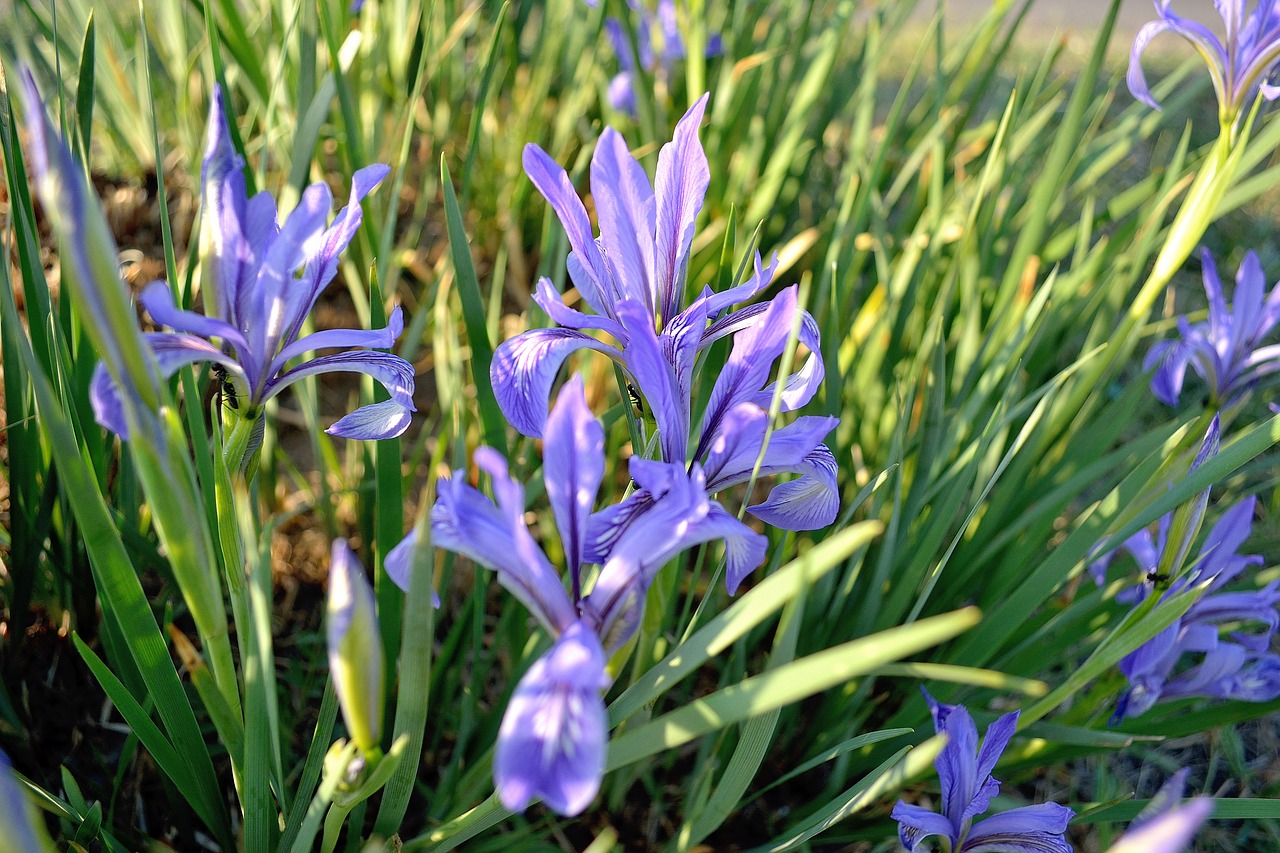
(553, 737)
(1226, 349)
(256, 302)
(1238, 65)
(19, 822)
(1164, 826)
(633, 277)
(355, 647)
(662, 22)
(964, 772)
(1191, 657)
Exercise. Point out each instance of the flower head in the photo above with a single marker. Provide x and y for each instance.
(355, 649)
(261, 279)
(1226, 349)
(552, 740)
(634, 279)
(964, 773)
(1238, 64)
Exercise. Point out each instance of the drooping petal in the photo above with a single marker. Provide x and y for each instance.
(550, 300)
(399, 563)
(104, 398)
(573, 467)
(495, 536)
(383, 338)
(158, 300)
(1030, 829)
(524, 368)
(916, 824)
(626, 210)
(374, 422)
(680, 187)
(744, 548)
(552, 740)
(553, 182)
(1170, 358)
(391, 371)
(1136, 78)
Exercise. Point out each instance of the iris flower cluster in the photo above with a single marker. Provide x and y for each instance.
(552, 741)
(633, 277)
(1192, 657)
(260, 280)
(662, 22)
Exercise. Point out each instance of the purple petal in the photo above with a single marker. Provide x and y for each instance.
(383, 338)
(993, 746)
(656, 377)
(760, 279)
(1171, 832)
(524, 368)
(957, 765)
(551, 301)
(744, 548)
(626, 210)
(573, 466)
(552, 740)
(399, 563)
(810, 502)
(17, 814)
(1136, 78)
(1030, 829)
(553, 182)
(680, 186)
(355, 648)
(158, 300)
(1172, 358)
(374, 422)
(104, 397)
(269, 316)
(225, 249)
(495, 536)
(915, 824)
(322, 263)
(393, 372)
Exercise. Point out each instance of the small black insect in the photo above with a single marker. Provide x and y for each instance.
(636, 399)
(225, 387)
(1158, 579)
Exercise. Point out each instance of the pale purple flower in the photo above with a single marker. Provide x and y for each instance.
(355, 647)
(1165, 826)
(633, 277)
(964, 774)
(260, 280)
(1238, 64)
(18, 824)
(552, 741)
(1226, 349)
(662, 22)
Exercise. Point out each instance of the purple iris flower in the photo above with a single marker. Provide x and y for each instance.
(1238, 65)
(664, 22)
(633, 277)
(260, 280)
(1192, 657)
(964, 772)
(355, 647)
(1164, 826)
(1226, 349)
(552, 741)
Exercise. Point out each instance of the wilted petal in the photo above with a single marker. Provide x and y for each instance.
(572, 467)
(399, 564)
(524, 368)
(680, 186)
(495, 536)
(1030, 829)
(552, 740)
